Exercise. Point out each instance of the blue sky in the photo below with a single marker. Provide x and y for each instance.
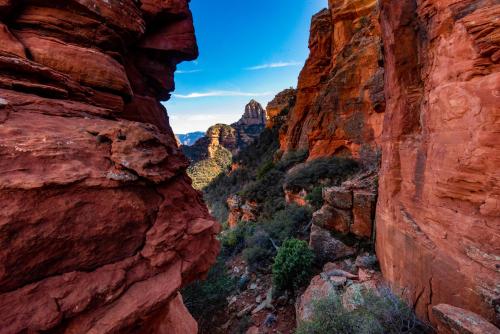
(248, 49)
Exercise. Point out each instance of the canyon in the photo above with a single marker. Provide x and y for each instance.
(101, 227)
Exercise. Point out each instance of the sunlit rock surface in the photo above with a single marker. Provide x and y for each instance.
(340, 94)
(438, 217)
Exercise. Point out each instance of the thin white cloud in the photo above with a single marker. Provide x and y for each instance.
(187, 71)
(274, 65)
(219, 93)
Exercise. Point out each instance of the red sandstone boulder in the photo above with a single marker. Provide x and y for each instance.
(240, 211)
(317, 289)
(326, 247)
(298, 198)
(350, 208)
(332, 219)
(455, 320)
(338, 197)
(334, 282)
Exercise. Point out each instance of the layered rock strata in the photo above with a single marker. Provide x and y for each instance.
(348, 214)
(340, 94)
(438, 213)
(99, 226)
(350, 208)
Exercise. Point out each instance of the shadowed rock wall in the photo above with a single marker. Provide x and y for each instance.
(99, 226)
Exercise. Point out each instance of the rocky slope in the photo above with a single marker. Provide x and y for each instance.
(420, 80)
(340, 101)
(438, 225)
(100, 226)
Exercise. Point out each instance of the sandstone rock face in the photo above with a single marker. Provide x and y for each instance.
(438, 218)
(251, 124)
(340, 100)
(278, 108)
(99, 226)
(254, 115)
(217, 136)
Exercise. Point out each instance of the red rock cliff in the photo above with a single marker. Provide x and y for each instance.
(438, 214)
(340, 100)
(99, 226)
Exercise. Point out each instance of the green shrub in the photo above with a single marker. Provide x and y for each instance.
(315, 198)
(267, 191)
(287, 223)
(234, 241)
(204, 298)
(376, 313)
(264, 169)
(293, 265)
(259, 250)
(332, 170)
(292, 158)
(258, 241)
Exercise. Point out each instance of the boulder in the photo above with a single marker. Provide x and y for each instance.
(333, 219)
(338, 197)
(317, 289)
(455, 320)
(293, 197)
(326, 247)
